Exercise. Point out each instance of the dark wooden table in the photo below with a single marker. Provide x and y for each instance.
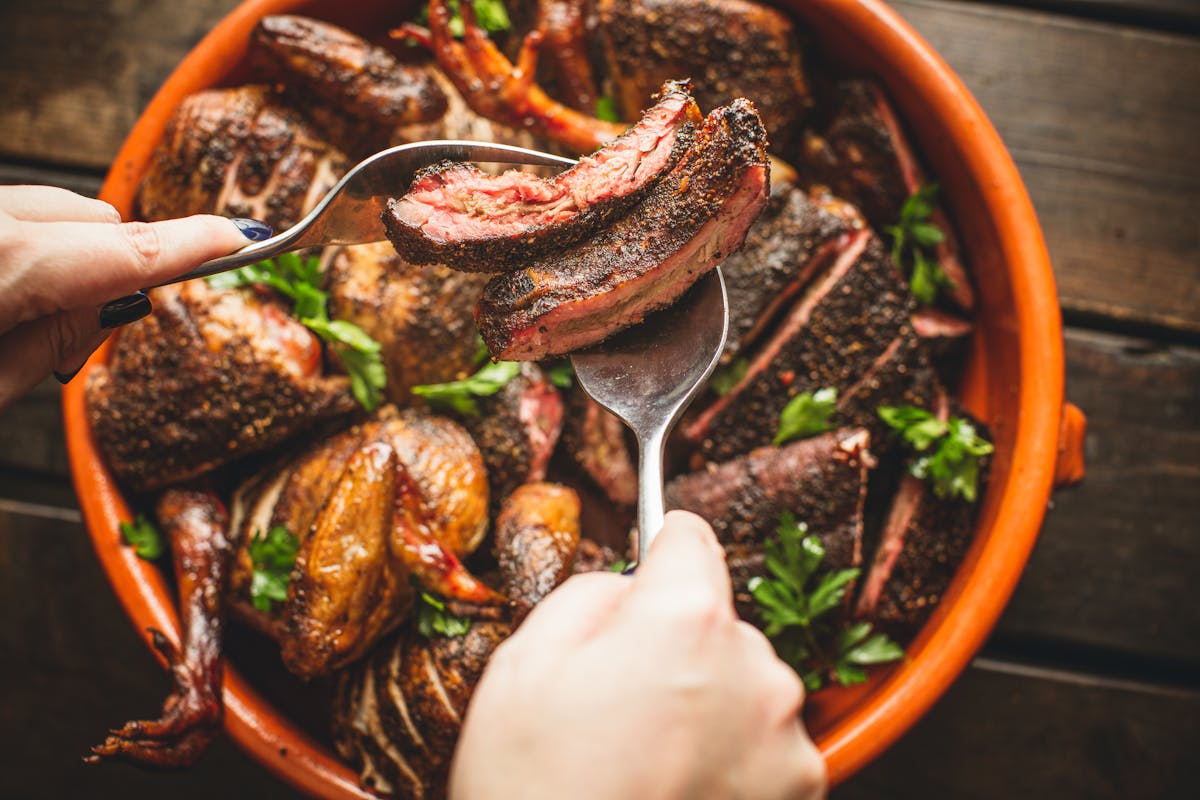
(1090, 685)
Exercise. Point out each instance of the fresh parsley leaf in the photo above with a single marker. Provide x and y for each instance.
(561, 373)
(952, 449)
(795, 600)
(481, 351)
(460, 395)
(914, 238)
(618, 566)
(491, 15)
(433, 618)
(143, 537)
(727, 376)
(806, 415)
(606, 109)
(271, 557)
(299, 279)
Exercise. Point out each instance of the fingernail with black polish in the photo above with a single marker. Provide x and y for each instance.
(65, 377)
(252, 229)
(125, 310)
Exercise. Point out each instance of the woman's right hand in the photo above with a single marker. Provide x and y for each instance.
(639, 687)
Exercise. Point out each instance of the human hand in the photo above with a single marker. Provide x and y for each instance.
(62, 256)
(647, 687)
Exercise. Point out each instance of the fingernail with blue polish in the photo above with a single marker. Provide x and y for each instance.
(631, 569)
(252, 229)
(65, 377)
(125, 310)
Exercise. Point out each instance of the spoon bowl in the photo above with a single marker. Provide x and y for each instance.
(648, 374)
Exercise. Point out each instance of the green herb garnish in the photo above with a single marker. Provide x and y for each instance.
(914, 239)
(560, 373)
(272, 557)
(806, 415)
(794, 602)
(606, 109)
(952, 448)
(618, 566)
(491, 15)
(432, 617)
(460, 395)
(727, 376)
(143, 537)
(300, 280)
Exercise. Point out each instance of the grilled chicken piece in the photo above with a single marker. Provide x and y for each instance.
(195, 523)
(457, 215)
(421, 316)
(241, 153)
(863, 154)
(729, 48)
(402, 494)
(822, 481)
(209, 377)
(495, 88)
(398, 714)
(357, 94)
(689, 222)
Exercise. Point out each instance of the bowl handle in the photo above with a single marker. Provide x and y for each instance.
(1072, 430)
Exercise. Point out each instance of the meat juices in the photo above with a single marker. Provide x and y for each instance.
(689, 222)
(458, 215)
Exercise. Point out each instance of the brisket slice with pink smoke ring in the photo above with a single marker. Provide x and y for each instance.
(822, 481)
(645, 260)
(836, 333)
(458, 215)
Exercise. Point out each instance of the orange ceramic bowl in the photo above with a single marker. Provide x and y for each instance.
(1014, 382)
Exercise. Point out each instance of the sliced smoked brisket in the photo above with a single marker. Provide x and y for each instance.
(688, 223)
(457, 215)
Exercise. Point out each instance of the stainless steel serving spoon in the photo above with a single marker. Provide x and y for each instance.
(352, 211)
(648, 374)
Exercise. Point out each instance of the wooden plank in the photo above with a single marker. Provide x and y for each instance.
(76, 74)
(31, 435)
(1173, 16)
(1101, 121)
(1006, 731)
(1118, 559)
(84, 183)
(71, 667)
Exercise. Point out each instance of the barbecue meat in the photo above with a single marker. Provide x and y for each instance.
(398, 715)
(209, 377)
(195, 522)
(831, 337)
(564, 28)
(689, 222)
(457, 215)
(241, 153)
(421, 316)
(822, 481)
(404, 494)
(863, 154)
(730, 48)
(595, 439)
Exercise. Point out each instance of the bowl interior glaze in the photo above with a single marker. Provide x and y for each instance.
(1014, 382)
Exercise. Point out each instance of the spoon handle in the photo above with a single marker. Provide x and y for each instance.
(650, 490)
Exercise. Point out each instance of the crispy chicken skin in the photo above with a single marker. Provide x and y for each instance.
(209, 377)
(196, 524)
(241, 153)
(404, 494)
(398, 714)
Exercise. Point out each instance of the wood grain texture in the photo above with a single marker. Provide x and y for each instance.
(1005, 732)
(1118, 560)
(1101, 121)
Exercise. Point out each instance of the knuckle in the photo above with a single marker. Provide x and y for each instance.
(145, 244)
(108, 212)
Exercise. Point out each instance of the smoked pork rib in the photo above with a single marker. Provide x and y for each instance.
(688, 223)
(458, 215)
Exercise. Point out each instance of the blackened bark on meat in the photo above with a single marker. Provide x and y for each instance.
(924, 540)
(516, 430)
(209, 377)
(689, 222)
(793, 239)
(595, 439)
(730, 48)
(832, 337)
(458, 215)
(944, 333)
(821, 480)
